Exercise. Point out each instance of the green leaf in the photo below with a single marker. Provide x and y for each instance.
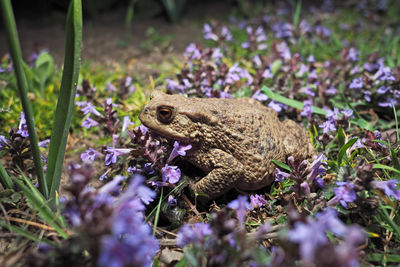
(41, 206)
(282, 165)
(65, 104)
(23, 89)
(341, 136)
(44, 67)
(276, 66)
(289, 102)
(343, 149)
(363, 124)
(376, 257)
(5, 179)
(158, 212)
(297, 12)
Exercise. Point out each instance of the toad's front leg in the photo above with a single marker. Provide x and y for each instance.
(224, 172)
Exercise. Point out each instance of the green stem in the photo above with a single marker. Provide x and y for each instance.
(16, 55)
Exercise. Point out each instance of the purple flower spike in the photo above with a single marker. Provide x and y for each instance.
(280, 175)
(126, 122)
(44, 143)
(257, 201)
(344, 193)
(172, 174)
(258, 95)
(328, 126)
(389, 187)
(23, 127)
(113, 153)
(89, 122)
(310, 237)
(241, 205)
(384, 74)
(195, 234)
(178, 150)
(171, 201)
(307, 111)
(90, 108)
(90, 155)
(356, 83)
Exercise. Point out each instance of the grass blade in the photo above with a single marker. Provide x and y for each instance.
(5, 180)
(290, 102)
(62, 119)
(158, 212)
(343, 150)
(282, 165)
(384, 167)
(26, 234)
(41, 207)
(23, 89)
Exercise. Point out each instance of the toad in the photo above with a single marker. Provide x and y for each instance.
(233, 140)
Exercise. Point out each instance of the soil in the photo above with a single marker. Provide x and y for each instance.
(101, 37)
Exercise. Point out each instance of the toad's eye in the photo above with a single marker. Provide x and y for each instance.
(165, 114)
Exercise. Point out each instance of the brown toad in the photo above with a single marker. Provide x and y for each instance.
(233, 140)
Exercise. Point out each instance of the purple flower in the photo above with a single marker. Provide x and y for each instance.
(113, 153)
(245, 45)
(389, 187)
(208, 34)
(353, 54)
(241, 205)
(257, 201)
(192, 52)
(125, 123)
(90, 108)
(328, 126)
(282, 29)
(131, 242)
(275, 106)
(318, 168)
(172, 174)
(311, 59)
(384, 74)
(178, 150)
(388, 103)
(111, 87)
(356, 83)
(280, 175)
(322, 31)
(267, 74)
(284, 51)
(195, 234)
(331, 90)
(226, 33)
(174, 85)
(217, 55)
(383, 90)
(23, 127)
(90, 155)
(171, 201)
(89, 122)
(258, 95)
(303, 69)
(44, 143)
(310, 236)
(3, 142)
(347, 113)
(257, 60)
(307, 111)
(344, 193)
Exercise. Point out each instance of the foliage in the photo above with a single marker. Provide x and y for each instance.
(340, 208)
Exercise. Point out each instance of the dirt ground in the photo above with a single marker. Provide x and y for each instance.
(101, 37)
